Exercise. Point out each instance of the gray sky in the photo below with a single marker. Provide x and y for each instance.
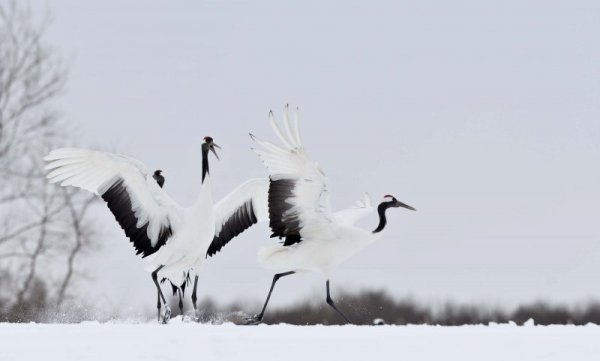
(485, 116)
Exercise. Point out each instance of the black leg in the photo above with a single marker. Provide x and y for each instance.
(257, 318)
(159, 293)
(194, 298)
(180, 301)
(158, 304)
(330, 303)
(161, 296)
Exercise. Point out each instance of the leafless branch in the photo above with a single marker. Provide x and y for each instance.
(78, 229)
(41, 225)
(33, 259)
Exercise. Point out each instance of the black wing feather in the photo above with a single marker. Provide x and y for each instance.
(242, 219)
(283, 222)
(119, 203)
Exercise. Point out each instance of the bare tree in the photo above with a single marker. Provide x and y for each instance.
(43, 229)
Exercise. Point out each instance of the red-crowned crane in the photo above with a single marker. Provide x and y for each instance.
(174, 239)
(314, 237)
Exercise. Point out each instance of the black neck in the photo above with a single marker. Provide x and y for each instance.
(204, 161)
(382, 219)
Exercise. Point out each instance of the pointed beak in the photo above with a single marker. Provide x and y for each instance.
(212, 149)
(400, 204)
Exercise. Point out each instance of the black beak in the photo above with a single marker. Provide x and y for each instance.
(400, 204)
(212, 147)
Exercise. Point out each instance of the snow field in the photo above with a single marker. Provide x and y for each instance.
(191, 341)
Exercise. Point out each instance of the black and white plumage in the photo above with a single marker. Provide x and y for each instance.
(283, 220)
(119, 201)
(314, 237)
(173, 239)
(241, 219)
(177, 289)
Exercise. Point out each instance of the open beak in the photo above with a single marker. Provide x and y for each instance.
(212, 149)
(400, 204)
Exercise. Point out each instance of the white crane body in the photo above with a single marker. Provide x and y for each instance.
(314, 237)
(175, 240)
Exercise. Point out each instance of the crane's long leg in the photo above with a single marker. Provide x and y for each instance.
(257, 318)
(161, 296)
(180, 301)
(158, 304)
(194, 298)
(330, 303)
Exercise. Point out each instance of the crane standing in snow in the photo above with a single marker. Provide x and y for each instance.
(315, 238)
(173, 238)
(177, 289)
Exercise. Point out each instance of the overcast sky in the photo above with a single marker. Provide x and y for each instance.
(485, 116)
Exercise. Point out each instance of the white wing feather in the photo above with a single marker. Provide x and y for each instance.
(97, 171)
(255, 190)
(351, 215)
(311, 194)
(239, 210)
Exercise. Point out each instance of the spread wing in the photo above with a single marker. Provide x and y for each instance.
(351, 215)
(239, 210)
(141, 207)
(299, 205)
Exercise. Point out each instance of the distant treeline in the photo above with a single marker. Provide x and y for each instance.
(364, 308)
(368, 308)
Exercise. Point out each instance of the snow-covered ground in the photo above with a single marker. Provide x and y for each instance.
(190, 341)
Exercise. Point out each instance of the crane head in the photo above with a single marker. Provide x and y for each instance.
(391, 201)
(208, 142)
